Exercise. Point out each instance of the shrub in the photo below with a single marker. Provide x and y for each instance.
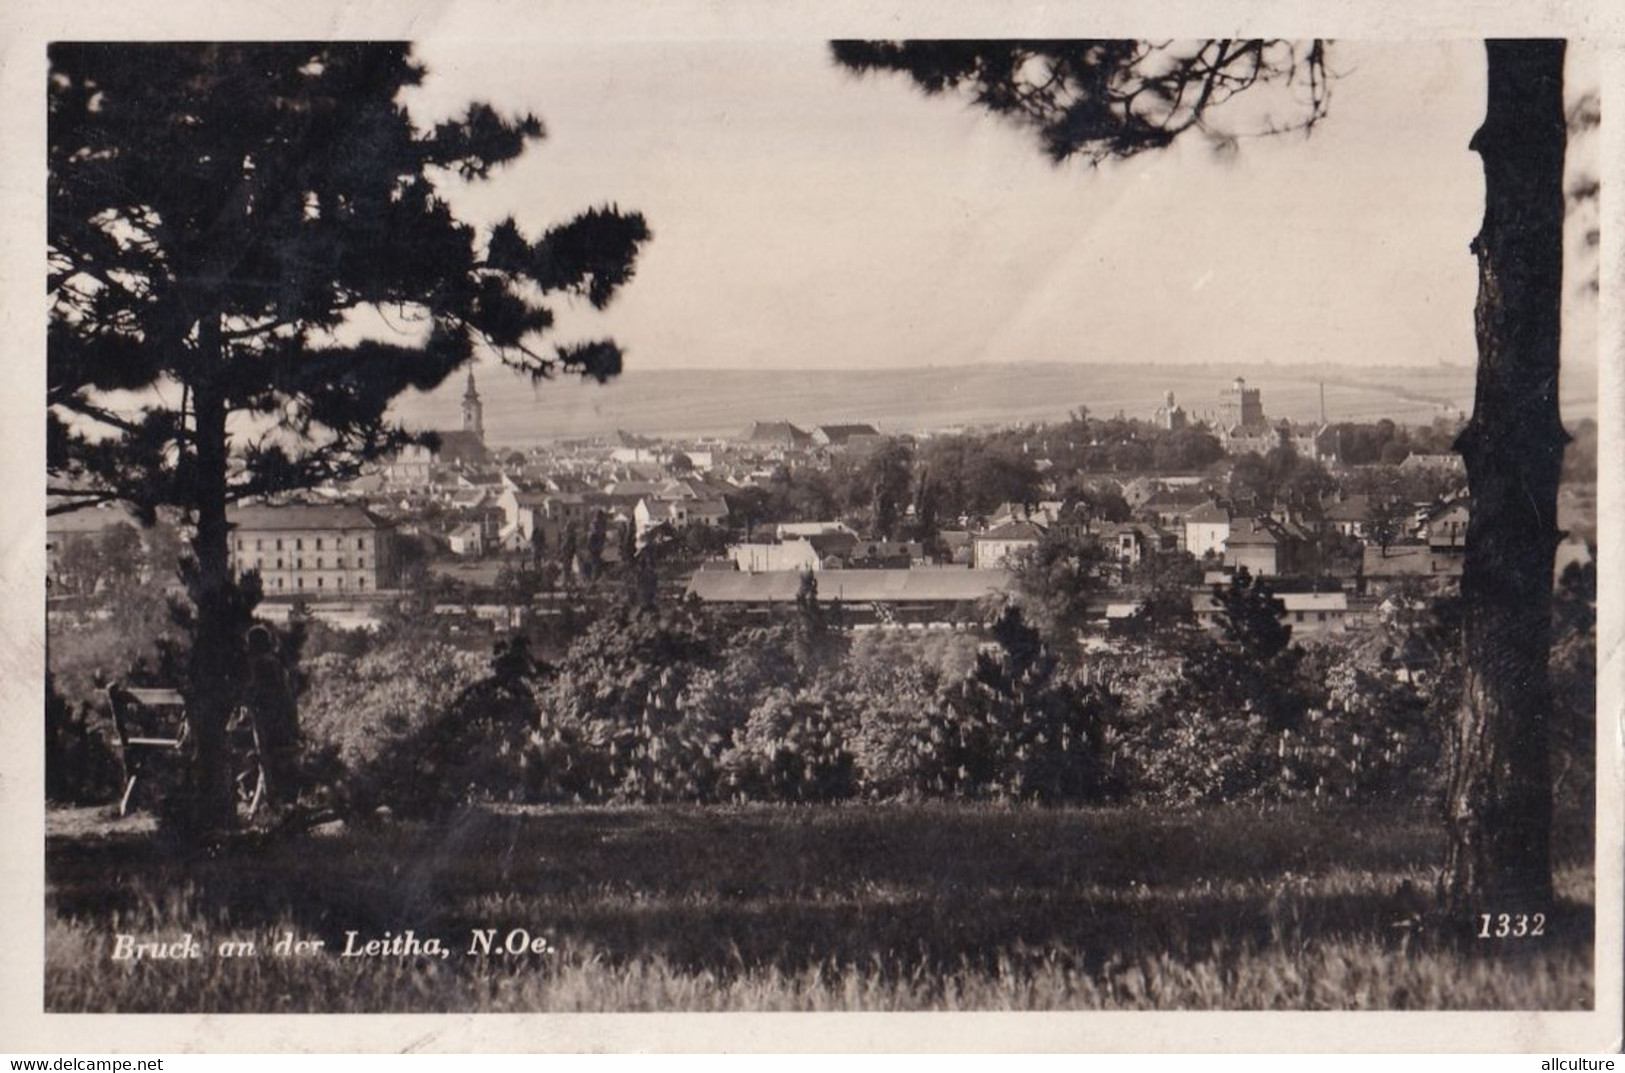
(81, 764)
(478, 751)
(626, 717)
(1014, 726)
(899, 731)
(792, 747)
(1355, 732)
(376, 711)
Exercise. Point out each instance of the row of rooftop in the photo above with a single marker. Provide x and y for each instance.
(472, 500)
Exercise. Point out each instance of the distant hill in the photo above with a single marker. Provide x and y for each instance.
(696, 402)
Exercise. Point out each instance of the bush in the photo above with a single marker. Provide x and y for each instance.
(674, 705)
(900, 733)
(478, 751)
(1180, 755)
(81, 760)
(1356, 733)
(377, 712)
(792, 748)
(629, 716)
(1015, 726)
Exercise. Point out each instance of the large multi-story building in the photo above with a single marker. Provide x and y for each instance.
(1241, 407)
(313, 549)
(1170, 415)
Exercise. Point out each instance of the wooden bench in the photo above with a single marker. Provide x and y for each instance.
(151, 723)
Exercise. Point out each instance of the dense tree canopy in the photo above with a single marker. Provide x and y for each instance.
(1054, 581)
(973, 477)
(218, 212)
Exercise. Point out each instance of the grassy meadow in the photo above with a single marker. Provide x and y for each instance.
(860, 907)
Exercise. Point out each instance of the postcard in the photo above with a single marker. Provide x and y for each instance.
(1058, 530)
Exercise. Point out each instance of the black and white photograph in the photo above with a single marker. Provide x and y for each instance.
(816, 517)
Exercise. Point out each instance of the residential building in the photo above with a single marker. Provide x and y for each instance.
(633, 448)
(679, 513)
(521, 512)
(1308, 613)
(886, 554)
(313, 550)
(957, 544)
(1168, 507)
(89, 526)
(1044, 513)
(792, 530)
(1207, 528)
(1138, 492)
(465, 540)
(1403, 562)
(1311, 613)
(1447, 530)
(1349, 516)
(776, 434)
(995, 548)
(1440, 464)
(1242, 440)
(1129, 544)
(1311, 442)
(1264, 546)
(789, 556)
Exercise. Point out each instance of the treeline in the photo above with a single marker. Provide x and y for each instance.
(631, 702)
(650, 705)
(900, 490)
(908, 490)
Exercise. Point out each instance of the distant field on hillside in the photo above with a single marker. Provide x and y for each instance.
(722, 402)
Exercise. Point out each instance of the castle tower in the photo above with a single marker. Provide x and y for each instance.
(473, 410)
(1170, 415)
(1242, 405)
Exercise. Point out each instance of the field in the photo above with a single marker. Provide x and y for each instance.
(860, 907)
(721, 402)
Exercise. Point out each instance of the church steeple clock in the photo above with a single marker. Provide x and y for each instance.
(473, 410)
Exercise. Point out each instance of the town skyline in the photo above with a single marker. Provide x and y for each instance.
(677, 403)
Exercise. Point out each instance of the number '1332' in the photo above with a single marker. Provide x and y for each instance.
(1511, 925)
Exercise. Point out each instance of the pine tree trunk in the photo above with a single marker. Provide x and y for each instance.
(215, 644)
(1499, 795)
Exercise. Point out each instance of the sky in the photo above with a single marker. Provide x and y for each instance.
(805, 217)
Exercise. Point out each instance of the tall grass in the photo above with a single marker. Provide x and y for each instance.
(828, 908)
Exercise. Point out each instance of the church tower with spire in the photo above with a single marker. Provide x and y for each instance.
(473, 410)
